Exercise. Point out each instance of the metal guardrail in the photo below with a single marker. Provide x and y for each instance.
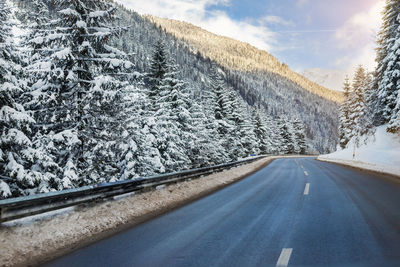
(15, 208)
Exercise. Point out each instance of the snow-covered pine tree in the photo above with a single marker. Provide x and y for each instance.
(263, 139)
(17, 156)
(357, 104)
(169, 107)
(217, 152)
(248, 137)
(221, 106)
(39, 94)
(37, 50)
(81, 76)
(138, 156)
(174, 117)
(110, 69)
(344, 119)
(35, 16)
(202, 152)
(240, 138)
(292, 137)
(299, 137)
(158, 69)
(387, 75)
(273, 134)
(287, 146)
(367, 118)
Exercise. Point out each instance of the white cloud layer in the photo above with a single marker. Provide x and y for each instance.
(271, 20)
(218, 22)
(359, 34)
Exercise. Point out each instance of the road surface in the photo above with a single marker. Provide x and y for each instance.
(294, 212)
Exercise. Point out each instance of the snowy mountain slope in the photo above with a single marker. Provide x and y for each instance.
(96, 93)
(279, 96)
(237, 55)
(380, 152)
(332, 79)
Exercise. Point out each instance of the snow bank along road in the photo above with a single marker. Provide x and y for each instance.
(294, 212)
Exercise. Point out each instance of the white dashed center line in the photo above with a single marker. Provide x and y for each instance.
(307, 188)
(306, 173)
(284, 258)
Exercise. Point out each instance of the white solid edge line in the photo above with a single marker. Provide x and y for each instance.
(307, 188)
(284, 258)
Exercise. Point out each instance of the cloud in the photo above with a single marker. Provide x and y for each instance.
(177, 9)
(197, 12)
(221, 24)
(360, 27)
(302, 3)
(358, 35)
(275, 20)
(365, 56)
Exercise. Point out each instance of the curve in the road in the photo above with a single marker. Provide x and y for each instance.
(294, 212)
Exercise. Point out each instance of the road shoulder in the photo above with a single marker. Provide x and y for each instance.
(365, 167)
(38, 239)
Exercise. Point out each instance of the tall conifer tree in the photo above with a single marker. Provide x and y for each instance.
(18, 175)
(387, 75)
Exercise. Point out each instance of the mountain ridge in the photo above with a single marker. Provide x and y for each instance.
(237, 55)
(273, 94)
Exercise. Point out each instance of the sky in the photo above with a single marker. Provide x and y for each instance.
(325, 34)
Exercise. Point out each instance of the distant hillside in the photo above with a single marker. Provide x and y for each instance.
(332, 79)
(238, 55)
(277, 96)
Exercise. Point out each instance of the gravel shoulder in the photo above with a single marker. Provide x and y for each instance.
(37, 239)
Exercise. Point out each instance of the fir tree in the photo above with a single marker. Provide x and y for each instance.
(299, 137)
(202, 151)
(79, 89)
(217, 153)
(174, 114)
(248, 139)
(158, 69)
(17, 155)
(261, 133)
(287, 146)
(344, 120)
(357, 104)
(273, 134)
(387, 75)
(139, 156)
(221, 105)
(171, 112)
(240, 137)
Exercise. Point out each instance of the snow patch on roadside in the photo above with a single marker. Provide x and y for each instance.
(380, 153)
(37, 218)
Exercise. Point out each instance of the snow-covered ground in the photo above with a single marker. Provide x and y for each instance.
(32, 240)
(380, 153)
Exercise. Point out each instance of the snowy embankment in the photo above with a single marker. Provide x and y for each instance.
(36, 239)
(381, 153)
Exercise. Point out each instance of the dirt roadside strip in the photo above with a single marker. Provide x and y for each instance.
(29, 242)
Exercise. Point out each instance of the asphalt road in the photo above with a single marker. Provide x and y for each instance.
(294, 212)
